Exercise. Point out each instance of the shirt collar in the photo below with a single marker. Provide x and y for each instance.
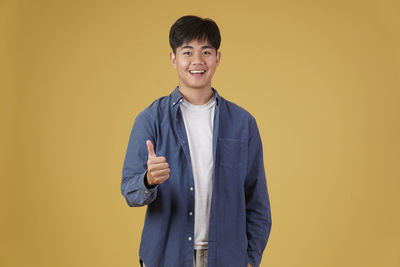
(176, 96)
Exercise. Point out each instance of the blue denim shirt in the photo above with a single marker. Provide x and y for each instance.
(240, 216)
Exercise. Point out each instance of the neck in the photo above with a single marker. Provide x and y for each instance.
(196, 96)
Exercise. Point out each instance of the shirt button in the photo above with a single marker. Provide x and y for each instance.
(191, 188)
(190, 213)
(180, 100)
(146, 191)
(190, 238)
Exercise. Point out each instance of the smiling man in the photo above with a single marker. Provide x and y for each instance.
(195, 159)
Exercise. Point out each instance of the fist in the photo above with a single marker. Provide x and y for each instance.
(157, 167)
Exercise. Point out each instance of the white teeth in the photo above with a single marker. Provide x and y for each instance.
(197, 71)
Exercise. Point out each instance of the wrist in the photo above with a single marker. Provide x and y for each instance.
(147, 184)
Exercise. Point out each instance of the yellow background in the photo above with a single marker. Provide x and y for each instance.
(322, 79)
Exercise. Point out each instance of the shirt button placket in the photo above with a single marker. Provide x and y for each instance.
(190, 212)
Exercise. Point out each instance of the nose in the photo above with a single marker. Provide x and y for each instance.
(197, 59)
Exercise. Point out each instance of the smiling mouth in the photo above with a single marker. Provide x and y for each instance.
(197, 71)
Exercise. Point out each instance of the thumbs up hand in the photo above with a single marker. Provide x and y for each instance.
(157, 167)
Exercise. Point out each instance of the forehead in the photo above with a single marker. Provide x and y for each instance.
(199, 44)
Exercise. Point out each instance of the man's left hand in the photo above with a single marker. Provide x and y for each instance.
(249, 265)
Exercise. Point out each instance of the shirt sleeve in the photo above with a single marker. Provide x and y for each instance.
(134, 171)
(258, 212)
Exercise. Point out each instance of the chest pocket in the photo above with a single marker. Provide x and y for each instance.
(230, 152)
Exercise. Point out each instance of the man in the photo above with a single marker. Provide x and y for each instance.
(196, 161)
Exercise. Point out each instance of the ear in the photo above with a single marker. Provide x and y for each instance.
(172, 57)
(218, 57)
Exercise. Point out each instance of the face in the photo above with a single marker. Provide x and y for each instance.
(195, 63)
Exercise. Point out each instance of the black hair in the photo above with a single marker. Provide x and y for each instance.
(188, 28)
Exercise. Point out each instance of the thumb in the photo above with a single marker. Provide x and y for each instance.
(150, 149)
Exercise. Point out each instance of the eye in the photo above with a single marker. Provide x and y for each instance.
(187, 53)
(207, 53)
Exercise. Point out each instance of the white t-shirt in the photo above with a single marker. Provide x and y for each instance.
(199, 120)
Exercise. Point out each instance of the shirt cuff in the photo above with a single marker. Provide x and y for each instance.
(253, 258)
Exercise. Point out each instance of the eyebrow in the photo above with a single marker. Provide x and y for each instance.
(191, 47)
